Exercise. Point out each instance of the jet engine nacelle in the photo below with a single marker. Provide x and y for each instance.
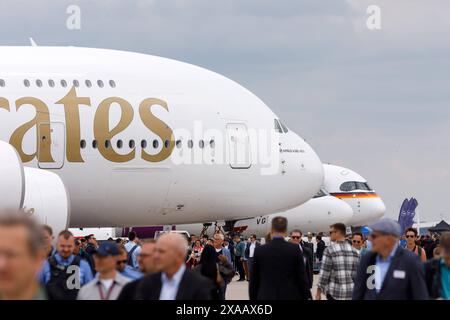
(39, 192)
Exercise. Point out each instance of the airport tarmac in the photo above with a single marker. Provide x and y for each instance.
(238, 290)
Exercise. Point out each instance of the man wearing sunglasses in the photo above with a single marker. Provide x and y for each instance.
(358, 243)
(411, 244)
(389, 272)
(125, 269)
(339, 265)
(296, 238)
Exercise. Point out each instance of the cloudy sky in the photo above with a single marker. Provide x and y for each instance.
(376, 101)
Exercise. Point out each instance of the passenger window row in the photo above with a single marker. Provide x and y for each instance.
(64, 83)
(154, 143)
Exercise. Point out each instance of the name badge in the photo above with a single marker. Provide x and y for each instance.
(399, 274)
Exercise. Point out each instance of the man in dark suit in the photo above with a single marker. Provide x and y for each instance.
(175, 281)
(278, 268)
(389, 272)
(296, 238)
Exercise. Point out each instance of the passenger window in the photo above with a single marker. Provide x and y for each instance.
(76, 83)
(26, 82)
(51, 83)
(63, 83)
(100, 83)
(112, 84)
(88, 83)
(38, 83)
(155, 143)
(83, 144)
(178, 144)
(2, 83)
(212, 144)
(190, 144)
(201, 144)
(107, 144)
(94, 144)
(131, 144)
(144, 144)
(167, 144)
(119, 144)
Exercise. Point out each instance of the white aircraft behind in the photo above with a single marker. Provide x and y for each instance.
(355, 207)
(352, 188)
(92, 138)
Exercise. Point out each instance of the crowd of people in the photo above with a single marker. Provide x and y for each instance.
(388, 264)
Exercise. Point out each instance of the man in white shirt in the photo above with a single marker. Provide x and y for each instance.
(175, 281)
(250, 252)
(108, 282)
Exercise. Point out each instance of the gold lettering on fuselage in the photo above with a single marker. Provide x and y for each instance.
(71, 104)
(102, 132)
(4, 104)
(158, 127)
(42, 132)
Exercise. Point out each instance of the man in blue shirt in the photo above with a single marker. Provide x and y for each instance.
(437, 271)
(389, 272)
(60, 270)
(125, 269)
(133, 250)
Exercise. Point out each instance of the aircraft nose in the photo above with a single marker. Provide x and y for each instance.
(302, 164)
(344, 212)
(370, 210)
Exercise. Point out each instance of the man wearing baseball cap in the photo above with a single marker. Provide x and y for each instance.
(108, 282)
(389, 272)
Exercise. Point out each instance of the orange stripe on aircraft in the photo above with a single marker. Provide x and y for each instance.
(345, 195)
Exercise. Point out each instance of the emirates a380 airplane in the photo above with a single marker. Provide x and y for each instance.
(93, 137)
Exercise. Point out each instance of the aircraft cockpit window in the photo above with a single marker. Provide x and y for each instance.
(277, 126)
(348, 186)
(362, 186)
(354, 185)
(2, 83)
(285, 129)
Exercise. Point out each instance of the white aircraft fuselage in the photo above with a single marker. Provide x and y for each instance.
(144, 140)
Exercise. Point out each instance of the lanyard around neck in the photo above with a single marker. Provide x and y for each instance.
(108, 294)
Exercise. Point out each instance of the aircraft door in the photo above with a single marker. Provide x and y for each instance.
(51, 141)
(238, 152)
